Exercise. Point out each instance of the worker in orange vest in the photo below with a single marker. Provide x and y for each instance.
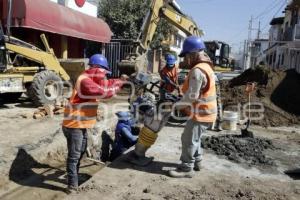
(81, 111)
(199, 99)
(169, 77)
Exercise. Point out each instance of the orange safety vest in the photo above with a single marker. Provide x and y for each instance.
(80, 115)
(204, 109)
(172, 74)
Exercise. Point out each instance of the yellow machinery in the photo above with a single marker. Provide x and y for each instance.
(219, 53)
(26, 68)
(158, 9)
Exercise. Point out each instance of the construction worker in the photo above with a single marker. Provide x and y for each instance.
(199, 99)
(169, 76)
(80, 113)
(126, 134)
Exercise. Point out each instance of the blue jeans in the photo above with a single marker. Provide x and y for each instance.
(77, 144)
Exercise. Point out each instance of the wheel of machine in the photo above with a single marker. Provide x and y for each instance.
(45, 88)
(10, 97)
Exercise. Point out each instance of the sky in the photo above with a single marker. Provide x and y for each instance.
(228, 20)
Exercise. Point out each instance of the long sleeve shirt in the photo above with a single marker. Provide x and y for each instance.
(197, 81)
(105, 89)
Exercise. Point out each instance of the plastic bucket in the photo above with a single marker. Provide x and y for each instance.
(230, 120)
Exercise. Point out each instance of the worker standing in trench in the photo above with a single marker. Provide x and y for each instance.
(80, 114)
(169, 77)
(199, 92)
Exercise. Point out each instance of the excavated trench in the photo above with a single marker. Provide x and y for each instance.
(34, 168)
(43, 180)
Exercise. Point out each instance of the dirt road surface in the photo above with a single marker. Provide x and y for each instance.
(33, 151)
(219, 178)
(32, 165)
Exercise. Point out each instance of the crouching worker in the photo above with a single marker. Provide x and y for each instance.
(126, 134)
(81, 111)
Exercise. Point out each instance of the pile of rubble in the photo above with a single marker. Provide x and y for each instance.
(47, 110)
(277, 90)
(240, 149)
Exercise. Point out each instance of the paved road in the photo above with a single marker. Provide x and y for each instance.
(230, 75)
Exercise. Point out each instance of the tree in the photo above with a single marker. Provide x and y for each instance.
(125, 18)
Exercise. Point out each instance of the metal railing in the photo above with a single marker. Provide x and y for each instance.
(116, 51)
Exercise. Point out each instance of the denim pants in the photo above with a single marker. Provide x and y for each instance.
(77, 144)
(191, 143)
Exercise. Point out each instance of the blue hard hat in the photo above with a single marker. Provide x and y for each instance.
(99, 60)
(192, 44)
(124, 115)
(170, 59)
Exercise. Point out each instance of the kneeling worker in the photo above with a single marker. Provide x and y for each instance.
(126, 134)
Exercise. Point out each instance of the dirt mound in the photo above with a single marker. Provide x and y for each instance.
(239, 149)
(277, 90)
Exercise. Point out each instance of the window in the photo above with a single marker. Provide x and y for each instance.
(297, 32)
(270, 59)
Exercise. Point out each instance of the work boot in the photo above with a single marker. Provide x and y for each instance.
(72, 190)
(182, 173)
(197, 166)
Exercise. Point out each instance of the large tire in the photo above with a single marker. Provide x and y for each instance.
(10, 97)
(45, 88)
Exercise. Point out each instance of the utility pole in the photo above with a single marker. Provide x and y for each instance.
(250, 29)
(245, 55)
(248, 46)
(258, 31)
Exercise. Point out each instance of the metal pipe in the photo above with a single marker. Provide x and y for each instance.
(24, 69)
(8, 24)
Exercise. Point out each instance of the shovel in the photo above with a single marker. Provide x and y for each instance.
(245, 132)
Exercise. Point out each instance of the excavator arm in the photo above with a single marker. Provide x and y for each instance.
(158, 9)
(167, 10)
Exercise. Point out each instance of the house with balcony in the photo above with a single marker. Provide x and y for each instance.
(284, 39)
(257, 50)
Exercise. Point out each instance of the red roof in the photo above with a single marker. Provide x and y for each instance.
(51, 17)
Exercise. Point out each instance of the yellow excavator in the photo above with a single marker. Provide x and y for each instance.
(168, 10)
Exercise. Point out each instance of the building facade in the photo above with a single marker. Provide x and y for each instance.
(69, 25)
(284, 39)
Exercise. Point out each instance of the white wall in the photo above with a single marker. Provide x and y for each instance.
(87, 8)
(177, 48)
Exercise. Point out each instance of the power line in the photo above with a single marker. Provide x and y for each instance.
(280, 8)
(264, 12)
(268, 9)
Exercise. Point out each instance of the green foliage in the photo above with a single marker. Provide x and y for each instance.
(125, 18)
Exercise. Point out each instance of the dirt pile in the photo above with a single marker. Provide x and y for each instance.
(239, 149)
(277, 90)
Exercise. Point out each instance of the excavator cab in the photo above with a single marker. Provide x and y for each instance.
(218, 52)
(224, 52)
